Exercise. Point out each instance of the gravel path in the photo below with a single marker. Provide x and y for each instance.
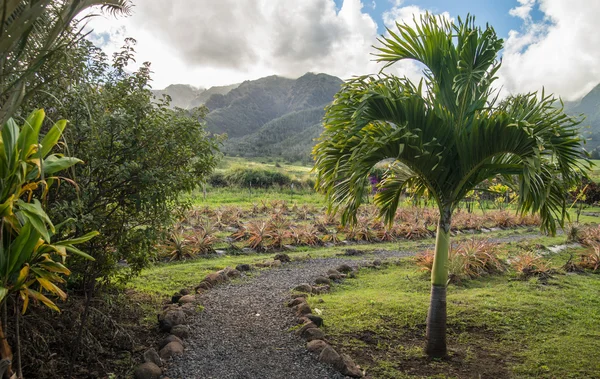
(243, 332)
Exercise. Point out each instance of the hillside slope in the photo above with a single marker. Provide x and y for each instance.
(187, 97)
(273, 116)
(589, 106)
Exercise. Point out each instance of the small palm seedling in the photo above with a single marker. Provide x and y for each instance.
(258, 234)
(179, 246)
(591, 260)
(467, 260)
(278, 232)
(528, 264)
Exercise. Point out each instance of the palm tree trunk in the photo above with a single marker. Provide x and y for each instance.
(436, 317)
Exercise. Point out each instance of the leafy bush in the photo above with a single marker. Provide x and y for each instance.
(217, 179)
(257, 178)
(530, 264)
(139, 155)
(591, 260)
(467, 260)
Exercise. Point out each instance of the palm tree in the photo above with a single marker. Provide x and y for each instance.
(445, 136)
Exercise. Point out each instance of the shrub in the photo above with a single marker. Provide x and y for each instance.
(591, 260)
(257, 178)
(467, 260)
(217, 179)
(529, 264)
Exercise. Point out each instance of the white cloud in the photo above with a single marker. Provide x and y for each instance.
(216, 43)
(523, 11)
(222, 42)
(559, 52)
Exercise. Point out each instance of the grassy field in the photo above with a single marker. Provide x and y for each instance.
(499, 326)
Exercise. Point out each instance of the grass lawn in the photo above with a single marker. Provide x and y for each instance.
(498, 326)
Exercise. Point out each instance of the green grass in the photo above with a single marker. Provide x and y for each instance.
(498, 326)
(245, 197)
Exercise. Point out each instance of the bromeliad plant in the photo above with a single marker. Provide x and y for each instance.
(446, 135)
(31, 263)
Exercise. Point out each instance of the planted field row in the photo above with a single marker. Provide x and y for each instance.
(277, 225)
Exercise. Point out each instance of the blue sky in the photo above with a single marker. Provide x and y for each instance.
(551, 44)
(494, 12)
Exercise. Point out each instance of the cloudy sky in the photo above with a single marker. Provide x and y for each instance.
(548, 43)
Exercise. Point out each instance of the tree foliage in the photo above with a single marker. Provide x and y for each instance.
(446, 135)
(139, 155)
(33, 37)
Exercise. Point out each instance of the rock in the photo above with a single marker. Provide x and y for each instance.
(318, 320)
(377, 262)
(289, 247)
(332, 271)
(175, 298)
(151, 356)
(243, 267)
(305, 327)
(224, 273)
(172, 317)
(171, 349)
(322, 280)
(167, 339)
(164, 326)
(296, 301)
(147, 370)
(304, 287)
(350, 368)
(352, 275)
(220, 252)
(283, 258)
(214, 278)
(302, 320)
(321, 289)
(316, 346)
(344, 268)
(276, 263)
(233, 273)
(188, 308)
(298, 295)
(187, 299)
(330, 356)
(180, 331)
(302, 309)
(203, 286)
(313, 334)
(184, 291)
(247, 250)
(337, 276)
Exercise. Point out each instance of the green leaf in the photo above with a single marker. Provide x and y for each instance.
(37, 217)
(52, 137)
(78, 240)
(76, 251)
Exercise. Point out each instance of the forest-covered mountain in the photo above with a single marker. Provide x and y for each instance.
(187, 97)
(589, 106)
(272, 116)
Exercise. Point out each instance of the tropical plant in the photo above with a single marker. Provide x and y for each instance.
(31, 263)
(468, 260)
(591, 260)
(529, 264)
(32, 33)
(446, 134)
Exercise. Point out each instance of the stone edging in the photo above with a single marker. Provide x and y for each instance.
(174, 316)
(310, 323)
